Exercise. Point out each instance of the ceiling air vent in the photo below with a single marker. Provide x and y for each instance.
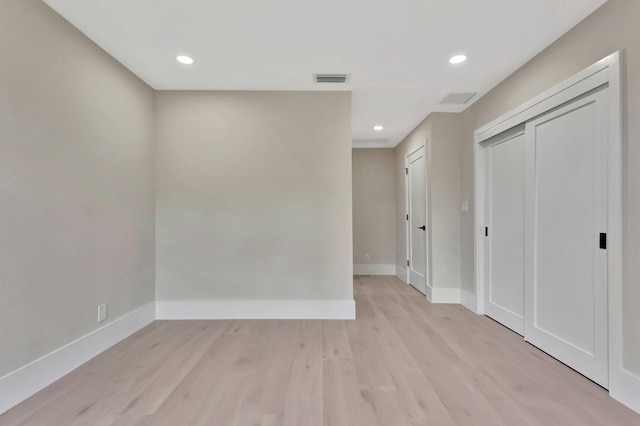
(458, 98)
(331, 78)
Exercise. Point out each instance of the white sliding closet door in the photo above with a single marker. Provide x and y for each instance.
(566, 208)
(504, 298)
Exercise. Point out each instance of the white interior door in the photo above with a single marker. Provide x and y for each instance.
(504, 297)
(417, 197)
(566, 205)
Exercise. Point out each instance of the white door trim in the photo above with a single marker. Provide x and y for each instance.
(427, 156)
(407, 194)
(609, 71)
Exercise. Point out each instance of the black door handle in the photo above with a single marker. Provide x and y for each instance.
(424, 228)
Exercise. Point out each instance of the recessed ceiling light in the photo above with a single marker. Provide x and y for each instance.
(184, 60)
(458, 59)
(378, 128)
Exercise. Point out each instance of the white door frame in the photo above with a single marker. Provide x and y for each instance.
(427, 216)
(622, 384)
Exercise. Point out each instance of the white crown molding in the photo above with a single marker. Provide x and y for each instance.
(374, 143)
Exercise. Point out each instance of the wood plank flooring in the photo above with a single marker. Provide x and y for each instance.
(404, 361)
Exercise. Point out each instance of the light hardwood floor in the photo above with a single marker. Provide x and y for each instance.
(404, 361)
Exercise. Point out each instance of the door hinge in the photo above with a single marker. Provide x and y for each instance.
(407, 217)
(406, 170)
(486, 231)
(407, 263)
(603, 240)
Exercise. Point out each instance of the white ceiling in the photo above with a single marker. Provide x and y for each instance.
(397, 51)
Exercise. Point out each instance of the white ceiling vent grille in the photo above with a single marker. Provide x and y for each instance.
(331, 78)
(458, 98)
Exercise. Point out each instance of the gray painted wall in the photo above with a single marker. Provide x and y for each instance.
(443, 131)
(76, 184)
(77, 210)
(253, 195)
(614, 26)
(374, 206)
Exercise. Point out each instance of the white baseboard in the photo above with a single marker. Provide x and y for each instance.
(443, 295)
(256, 309)
(20, 384)
(624, 387)
(468, 300)
(374, 269)
(401, 273)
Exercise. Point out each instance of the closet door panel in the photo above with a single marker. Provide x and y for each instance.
(566, 288)
(504, 300)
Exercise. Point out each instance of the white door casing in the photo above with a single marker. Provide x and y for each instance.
(416, 166)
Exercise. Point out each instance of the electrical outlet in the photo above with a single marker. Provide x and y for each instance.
(367, 258)
(102, 312)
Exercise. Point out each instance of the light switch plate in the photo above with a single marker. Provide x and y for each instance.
(465, 207)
